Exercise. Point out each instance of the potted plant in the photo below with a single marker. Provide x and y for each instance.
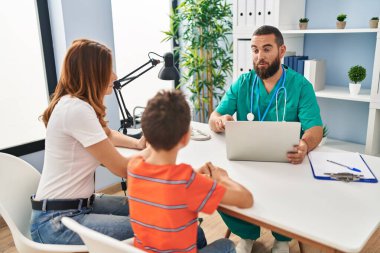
(374, 22)
(303, 23)
(201, 29)
(341, 21)
(324, 136)
(356, 74)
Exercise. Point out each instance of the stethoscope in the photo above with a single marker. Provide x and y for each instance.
(251, 116)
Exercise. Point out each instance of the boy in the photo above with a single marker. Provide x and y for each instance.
(165, 197)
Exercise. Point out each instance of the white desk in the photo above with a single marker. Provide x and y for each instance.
(328, 214)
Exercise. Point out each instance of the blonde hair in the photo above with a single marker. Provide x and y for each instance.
(85, 74)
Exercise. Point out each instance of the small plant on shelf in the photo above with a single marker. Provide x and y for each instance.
(374, 22)
(341, 17)
(356, 74)
(341, 21)
(303, 23)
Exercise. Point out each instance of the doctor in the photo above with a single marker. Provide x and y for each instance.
(272, 92)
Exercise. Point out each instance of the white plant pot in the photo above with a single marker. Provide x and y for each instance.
(354, 88)
(302, 26)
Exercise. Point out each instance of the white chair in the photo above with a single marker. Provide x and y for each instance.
(100, 243)
(18, 181)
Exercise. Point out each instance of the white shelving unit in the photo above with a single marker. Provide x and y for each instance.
(340, 92)
(294, 40)
(324, 31)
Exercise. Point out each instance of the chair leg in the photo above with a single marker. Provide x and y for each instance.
(228, 233)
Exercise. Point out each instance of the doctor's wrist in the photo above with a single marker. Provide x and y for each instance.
(307, 145)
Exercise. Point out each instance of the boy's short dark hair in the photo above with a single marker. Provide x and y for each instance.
(166, 119)
(266, 30)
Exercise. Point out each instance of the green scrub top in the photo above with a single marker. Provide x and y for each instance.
(301, 105)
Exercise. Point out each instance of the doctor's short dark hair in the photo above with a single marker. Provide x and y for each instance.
(166, 119)
(266, 30)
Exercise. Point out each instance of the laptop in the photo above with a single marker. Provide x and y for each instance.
(265, 141)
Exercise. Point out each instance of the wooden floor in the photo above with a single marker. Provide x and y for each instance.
(214, 228)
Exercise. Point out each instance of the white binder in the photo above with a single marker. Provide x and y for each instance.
(241, 15)
(251, 13)
(269, 15)
(241, 56)
(260, 10)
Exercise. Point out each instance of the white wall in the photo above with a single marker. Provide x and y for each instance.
(23, 85)
(91, 19)
(138, 27)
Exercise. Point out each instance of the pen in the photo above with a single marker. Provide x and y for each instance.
(347, 167)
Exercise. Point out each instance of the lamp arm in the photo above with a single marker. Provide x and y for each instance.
(154, 62)
(127, 117)
(130, 79)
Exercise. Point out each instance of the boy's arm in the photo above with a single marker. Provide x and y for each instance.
(236, 194)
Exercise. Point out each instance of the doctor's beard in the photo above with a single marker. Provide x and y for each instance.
(265, 73)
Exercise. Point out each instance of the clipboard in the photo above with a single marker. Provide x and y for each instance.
(324, 170)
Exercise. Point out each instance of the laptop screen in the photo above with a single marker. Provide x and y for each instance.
(265, 141)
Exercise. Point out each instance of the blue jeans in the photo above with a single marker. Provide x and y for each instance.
(219, 246)
(108, 215)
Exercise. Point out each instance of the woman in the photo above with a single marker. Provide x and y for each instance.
(77, 141)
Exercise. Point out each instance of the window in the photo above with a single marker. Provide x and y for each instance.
(24, 78)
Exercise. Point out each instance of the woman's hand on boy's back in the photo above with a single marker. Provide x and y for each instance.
(141, 143)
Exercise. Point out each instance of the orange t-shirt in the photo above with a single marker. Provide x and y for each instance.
(164, 203)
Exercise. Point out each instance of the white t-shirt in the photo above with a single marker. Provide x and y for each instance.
(68, 171)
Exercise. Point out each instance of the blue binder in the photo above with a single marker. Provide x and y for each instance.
(298, 63)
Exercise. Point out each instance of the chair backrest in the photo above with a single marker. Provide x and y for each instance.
(18, 181)
(97, 242)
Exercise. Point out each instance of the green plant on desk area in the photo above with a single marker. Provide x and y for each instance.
(304, 20)
(325, 131)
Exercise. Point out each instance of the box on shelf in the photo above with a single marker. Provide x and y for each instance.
(314, 72)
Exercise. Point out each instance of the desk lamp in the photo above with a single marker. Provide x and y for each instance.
(167, 72)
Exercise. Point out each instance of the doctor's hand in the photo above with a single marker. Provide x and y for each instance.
(299, 152)
(217, 124)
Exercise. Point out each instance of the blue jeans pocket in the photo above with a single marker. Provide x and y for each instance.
(47, 226)
(35, 235)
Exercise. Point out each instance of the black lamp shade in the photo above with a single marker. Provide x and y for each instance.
(168, 71)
